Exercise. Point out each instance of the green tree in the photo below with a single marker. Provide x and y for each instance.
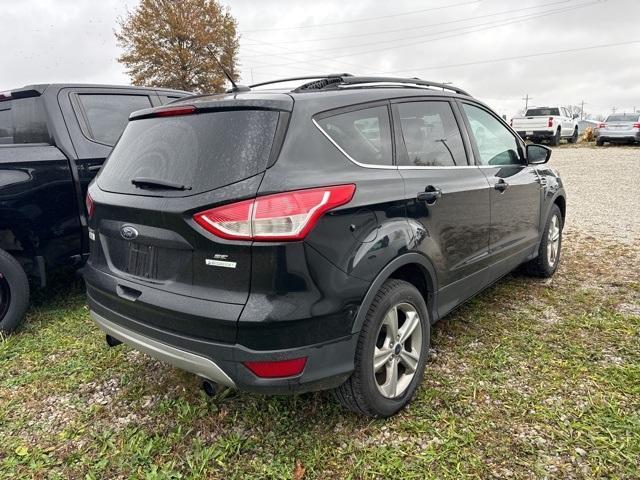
(172, 44)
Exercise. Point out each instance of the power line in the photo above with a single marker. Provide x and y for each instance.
(515, 57)
(379, 49)
(438, 24)
(297, 27)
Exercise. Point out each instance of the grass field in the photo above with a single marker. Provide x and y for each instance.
(533, 378)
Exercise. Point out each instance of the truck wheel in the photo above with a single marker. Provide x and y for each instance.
(391, 353)
(546, 263)
(574, 137)
(14, 293)
(555, 140)
(599, 143)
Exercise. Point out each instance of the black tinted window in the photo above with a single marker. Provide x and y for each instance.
(496, 144)
(107, 115)
(543, 112)
(202, 151)
(365, 135)
(431, 135)
(23, 120)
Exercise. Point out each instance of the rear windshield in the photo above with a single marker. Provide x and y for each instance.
(543, 112)
(23, 120)
(202, 151)
(629, 117)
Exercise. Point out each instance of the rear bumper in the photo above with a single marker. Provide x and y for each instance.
(328, 364)
(608, 136)
(536, 134)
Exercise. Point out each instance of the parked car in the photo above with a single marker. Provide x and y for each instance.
(53, 140)
(619, 128)
(286, 240)
(547, 123)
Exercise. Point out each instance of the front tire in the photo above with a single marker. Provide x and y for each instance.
(599, 143)
(546, 263)
(14, 293)
(391, 353)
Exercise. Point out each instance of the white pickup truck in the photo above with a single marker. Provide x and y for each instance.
(550, 123)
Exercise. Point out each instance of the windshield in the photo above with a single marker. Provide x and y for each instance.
(200, 152)
(542, 112)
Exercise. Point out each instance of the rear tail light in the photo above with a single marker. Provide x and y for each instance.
(282, 216)
(550, 123)
(636, 125)
(88, 201)
(602, 125)
(277, 369)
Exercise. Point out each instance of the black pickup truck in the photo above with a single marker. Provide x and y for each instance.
(53, 140)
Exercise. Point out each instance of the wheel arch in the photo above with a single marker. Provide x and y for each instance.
(412, 267)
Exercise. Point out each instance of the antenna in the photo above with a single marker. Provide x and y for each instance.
(235, 88)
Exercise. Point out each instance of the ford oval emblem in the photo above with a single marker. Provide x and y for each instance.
(128, 232)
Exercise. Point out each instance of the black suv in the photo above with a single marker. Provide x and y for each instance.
(291, 240)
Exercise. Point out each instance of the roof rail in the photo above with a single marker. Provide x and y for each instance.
(307, 77)
(404, 81)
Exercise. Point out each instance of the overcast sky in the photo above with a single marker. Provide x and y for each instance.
(455, 41)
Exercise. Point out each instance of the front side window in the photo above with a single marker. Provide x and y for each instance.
(496, 144)
(365, 135)
(431, 135)
(107, 115)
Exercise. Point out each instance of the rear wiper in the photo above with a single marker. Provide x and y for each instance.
(141, 182)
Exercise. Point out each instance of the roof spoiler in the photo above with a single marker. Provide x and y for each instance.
(20, 93)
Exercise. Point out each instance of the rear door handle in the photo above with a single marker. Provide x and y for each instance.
(430, 195)
(501, 186)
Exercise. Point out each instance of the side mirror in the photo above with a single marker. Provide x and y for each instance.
(538, 154)
(574, 116)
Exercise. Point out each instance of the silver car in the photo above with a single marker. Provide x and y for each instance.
(619, 127)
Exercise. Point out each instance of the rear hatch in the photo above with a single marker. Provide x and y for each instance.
(169, 164)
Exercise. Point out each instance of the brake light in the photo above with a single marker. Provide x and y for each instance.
(174, 111)
(282, 216)
(88, 201)
(636, 125)
(550, 123)
(602, 125)
(277, 369)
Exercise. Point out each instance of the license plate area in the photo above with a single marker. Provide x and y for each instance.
(142, 260)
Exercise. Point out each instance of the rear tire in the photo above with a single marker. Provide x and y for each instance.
(599, 143)
(548, 259)
(382, 386)
(555, 140)
(574, 137)
(14, 293)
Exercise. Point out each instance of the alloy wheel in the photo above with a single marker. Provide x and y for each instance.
(553, 241)
(398, 349)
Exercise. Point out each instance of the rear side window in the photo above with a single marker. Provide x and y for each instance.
(23, 120)
(543, 112)
(364, 135)
(203, 151)
(431, 135)
(107, 115)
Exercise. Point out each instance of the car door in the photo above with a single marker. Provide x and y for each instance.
(448, 199)
(514, 185)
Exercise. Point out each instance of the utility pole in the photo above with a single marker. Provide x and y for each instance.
(613, 110)
(582, 110)
(526, 99)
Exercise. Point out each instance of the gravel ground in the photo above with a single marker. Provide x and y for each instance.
(603, 190)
